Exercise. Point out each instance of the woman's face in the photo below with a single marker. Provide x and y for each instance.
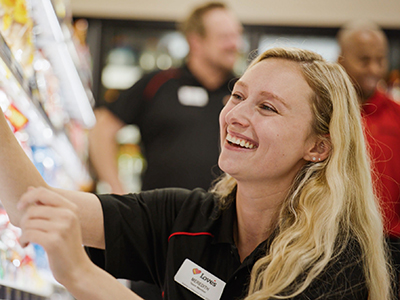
(266, 124)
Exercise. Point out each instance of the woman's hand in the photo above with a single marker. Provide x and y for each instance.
(51, 221)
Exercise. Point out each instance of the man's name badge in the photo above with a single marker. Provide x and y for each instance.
(193, 96)
(199, 281)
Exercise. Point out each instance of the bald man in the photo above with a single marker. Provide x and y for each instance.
(364, 55)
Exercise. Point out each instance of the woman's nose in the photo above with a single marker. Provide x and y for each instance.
(240, 114)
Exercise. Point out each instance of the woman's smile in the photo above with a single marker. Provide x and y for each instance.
(240, 142)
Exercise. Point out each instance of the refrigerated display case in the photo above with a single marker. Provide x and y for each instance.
(130, 49)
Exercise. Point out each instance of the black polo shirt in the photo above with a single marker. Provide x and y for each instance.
(149, 236)
(178, 122)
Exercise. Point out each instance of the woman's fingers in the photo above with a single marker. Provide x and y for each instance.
(52, 222)
(37, 211)
(49, 219)
(33, 235)
(46, 212)
(43, 196)
(50, 240)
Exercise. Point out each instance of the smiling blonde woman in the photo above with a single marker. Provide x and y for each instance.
(331, 205)
(294, 217)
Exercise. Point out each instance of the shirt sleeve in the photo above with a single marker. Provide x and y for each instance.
(130, 104)
(136, 228)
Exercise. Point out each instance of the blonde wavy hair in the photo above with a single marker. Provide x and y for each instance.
(335, 194)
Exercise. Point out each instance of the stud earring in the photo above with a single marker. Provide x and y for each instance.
(314, 158)
(319, 158)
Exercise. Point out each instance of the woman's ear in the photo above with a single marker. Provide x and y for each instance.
(320, 151)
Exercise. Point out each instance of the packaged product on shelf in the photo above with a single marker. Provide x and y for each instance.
(84, 60)
(17, 267)
(17, 29)
(49, 165)
(15, 117)
(49, 111)
(48, 87)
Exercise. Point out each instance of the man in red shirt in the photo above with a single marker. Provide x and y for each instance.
(364, 55)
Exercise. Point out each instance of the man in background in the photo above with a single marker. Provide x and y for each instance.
(364, 55)
(176, 111)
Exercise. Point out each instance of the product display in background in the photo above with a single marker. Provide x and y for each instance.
(16, 27)
(24, 272)
(46, 98)
(17, 265)
(55, 41)
(131, 162)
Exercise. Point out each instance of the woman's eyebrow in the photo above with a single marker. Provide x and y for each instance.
(276, 97)
(264, 93)
(241, 83)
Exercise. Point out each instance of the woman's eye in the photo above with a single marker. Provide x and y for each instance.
(268, 107)
(237, 96)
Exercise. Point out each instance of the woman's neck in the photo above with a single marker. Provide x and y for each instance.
(257, 216)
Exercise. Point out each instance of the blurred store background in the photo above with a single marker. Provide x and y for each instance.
(130, 38)
(60, 58)
(142, 35)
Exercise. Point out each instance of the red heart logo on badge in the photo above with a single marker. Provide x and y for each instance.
(196, 271)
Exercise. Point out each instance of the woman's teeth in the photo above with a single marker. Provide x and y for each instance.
(239, 142)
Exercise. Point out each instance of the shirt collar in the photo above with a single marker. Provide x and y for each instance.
(224, 230)
(192, 80)
(374, 103)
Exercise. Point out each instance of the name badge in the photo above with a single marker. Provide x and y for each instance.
(199, 281)
(193, 96)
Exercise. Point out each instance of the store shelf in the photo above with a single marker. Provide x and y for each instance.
(24, 271)
(19, 87)
(40, 128)
(48, 107)
(45, 291)
(55, 42)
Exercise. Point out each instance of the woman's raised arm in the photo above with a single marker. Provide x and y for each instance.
(18, 173)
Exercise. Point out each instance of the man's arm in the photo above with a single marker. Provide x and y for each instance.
(103, 148)
(17, 174)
